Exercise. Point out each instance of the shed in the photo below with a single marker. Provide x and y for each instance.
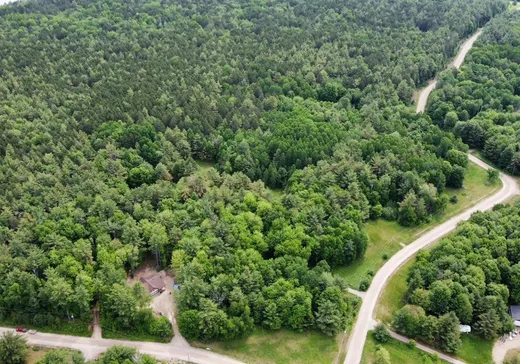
(515, 312)
(466, 329)
(153, 284)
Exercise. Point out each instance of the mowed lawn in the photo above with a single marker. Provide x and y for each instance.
(476, 350)
(386, 237)
(399, 352)
(281, 346)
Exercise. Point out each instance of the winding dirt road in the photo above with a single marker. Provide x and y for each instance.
(457, 62)
(363, 323)
(365, 317)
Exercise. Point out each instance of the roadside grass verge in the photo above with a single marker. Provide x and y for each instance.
(205, 165)
(286, 346)
(393, 296)
(399, 352)
(63, 327)
(386, 237)
(280, 346)
(133, 335)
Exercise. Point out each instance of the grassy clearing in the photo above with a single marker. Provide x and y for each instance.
(281, 346)
(386, 236)
(399, 352)
(277, 193)
(476, 350)
(205, 165)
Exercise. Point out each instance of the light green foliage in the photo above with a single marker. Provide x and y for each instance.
(60, 356)
(13, 349)
(123, 355)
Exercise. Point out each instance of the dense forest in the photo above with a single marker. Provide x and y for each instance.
(471, 277)
(480, 102)
(106, 106)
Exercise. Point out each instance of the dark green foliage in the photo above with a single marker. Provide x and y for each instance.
(381, 333)
(189, 324)
(106, 104)
(471, 276)
(480, 102)
(448, 333)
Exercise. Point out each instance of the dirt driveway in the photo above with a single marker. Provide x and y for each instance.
(162, 304)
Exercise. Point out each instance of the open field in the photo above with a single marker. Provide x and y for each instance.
(386, 237)
(205, 165)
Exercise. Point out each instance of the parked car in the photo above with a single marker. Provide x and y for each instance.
(21, 329)
(32, 332)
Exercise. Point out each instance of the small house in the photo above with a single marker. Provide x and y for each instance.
(155, 285)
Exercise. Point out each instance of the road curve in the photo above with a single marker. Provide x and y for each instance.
(359, 333)
(457, 62)
(91, 348)
(365, 316)
(500, 348)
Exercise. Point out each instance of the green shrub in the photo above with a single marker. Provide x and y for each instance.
(160, 327)
(412, 344)
(381, 333)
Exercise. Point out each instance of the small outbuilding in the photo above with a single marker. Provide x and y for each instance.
(154, 284)
(465, 329)
(515, 312)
